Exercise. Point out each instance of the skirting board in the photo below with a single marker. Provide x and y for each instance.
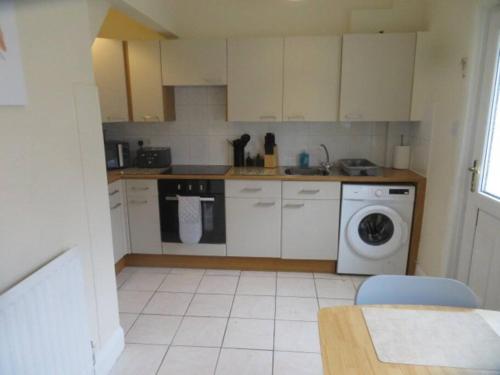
(239, 263)
(109, 353)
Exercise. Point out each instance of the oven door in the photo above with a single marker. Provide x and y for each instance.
(212, 220)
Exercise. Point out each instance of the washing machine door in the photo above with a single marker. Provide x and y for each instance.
(376, 232)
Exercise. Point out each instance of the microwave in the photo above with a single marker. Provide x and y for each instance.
(117, 155)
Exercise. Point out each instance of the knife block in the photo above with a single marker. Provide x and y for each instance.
(271, 161)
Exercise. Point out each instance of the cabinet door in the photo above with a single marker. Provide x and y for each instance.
(255, 79)
(150, 101)
(310, 229)
(377, 77)
(118, 231)
(144, 216)
(194, 62)
(119, 220)
(253, 227)
(311, 78)
(109, 72)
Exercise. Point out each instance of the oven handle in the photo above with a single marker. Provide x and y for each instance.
(202, 199)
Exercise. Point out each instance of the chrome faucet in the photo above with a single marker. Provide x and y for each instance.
(327, 164)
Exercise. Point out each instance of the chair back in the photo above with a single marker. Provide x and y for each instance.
(415, 290)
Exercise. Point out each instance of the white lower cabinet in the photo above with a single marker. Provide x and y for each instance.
(253, 227)
(119, 220)
(310, 229)
(310, 217)
(144, 216)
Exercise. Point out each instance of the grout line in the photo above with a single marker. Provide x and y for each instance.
(274, 326)
(227, 324)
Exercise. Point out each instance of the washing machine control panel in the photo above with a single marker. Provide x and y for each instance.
(378, 192)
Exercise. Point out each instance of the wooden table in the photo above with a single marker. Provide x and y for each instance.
(347, 349)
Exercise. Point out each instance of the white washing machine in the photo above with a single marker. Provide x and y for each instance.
(375, 227)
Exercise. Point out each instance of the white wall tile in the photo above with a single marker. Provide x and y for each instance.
(200, 132)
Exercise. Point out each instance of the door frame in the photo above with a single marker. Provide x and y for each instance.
(460, 258)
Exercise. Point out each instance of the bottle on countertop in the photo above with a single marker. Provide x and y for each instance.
(304, 159)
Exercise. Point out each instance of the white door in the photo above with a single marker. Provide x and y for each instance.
(480, 256)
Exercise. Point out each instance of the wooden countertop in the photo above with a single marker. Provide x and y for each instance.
(347, 348)
(277, 174)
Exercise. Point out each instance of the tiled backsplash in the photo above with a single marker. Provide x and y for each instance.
(200, 133)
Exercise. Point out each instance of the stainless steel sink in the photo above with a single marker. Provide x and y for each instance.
(295, 171)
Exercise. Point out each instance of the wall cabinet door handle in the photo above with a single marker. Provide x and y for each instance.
(114, 192)
(268, 117)
(251, 190)
(309, 191)
(265, 204)
(294, 205)
(296, 117)
(116, 206)
(138, 202)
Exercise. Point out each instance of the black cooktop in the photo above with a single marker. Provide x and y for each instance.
(197, 169)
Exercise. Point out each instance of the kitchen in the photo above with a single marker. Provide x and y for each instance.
(278, 187)
(204, 122)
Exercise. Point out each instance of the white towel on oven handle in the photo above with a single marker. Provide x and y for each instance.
(190, 226)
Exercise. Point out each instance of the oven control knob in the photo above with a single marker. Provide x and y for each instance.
(190, 187)
(201, 187)
(179, 187)
(378, 193)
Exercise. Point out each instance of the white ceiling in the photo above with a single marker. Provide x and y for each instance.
(226, 18)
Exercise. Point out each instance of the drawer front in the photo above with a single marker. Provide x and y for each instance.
(311, 190)
(253, 189)
(142, 187)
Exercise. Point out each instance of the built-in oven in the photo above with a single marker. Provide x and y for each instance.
(211, 193)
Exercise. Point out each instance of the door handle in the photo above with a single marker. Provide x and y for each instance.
(202, 199)
(297, 205)
(115, 206)
(474, 170)
(265, 204)
(309, 191)
(252, 190)
(114, 193)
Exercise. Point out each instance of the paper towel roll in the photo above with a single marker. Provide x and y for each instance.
(401, 157)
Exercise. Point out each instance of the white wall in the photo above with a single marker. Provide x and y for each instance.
(53, 190)
(437, 140)
(200, 133)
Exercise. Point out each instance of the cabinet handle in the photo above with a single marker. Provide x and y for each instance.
(297, 205)
(139, 189)
(296, 117)
(267, 117)
(265, 204)
(353, 116)
(116, 206)
(114, 193)
(149, 117)
(251, 190)
(202, 199)
(139, 202)
(309, 191)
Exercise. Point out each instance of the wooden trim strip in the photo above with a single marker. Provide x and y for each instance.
(120, 265)
(127, 82)
(237, 263)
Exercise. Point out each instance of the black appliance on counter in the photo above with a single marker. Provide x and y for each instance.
(153, 157)
(213, 212)
(117, 154)
(239, 145)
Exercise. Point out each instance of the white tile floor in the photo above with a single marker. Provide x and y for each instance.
(197, 322)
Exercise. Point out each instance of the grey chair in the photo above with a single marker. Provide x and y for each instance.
(415, 290)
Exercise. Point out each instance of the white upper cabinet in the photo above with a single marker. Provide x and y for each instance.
(377, 77)
(196, 62)
(150, 101)
(423, 79)
(255, 79)
(311, 78)
(109, 72)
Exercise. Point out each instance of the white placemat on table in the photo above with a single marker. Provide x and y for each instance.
(433, 338)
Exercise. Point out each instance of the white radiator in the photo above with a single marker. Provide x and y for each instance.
(43, 322)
